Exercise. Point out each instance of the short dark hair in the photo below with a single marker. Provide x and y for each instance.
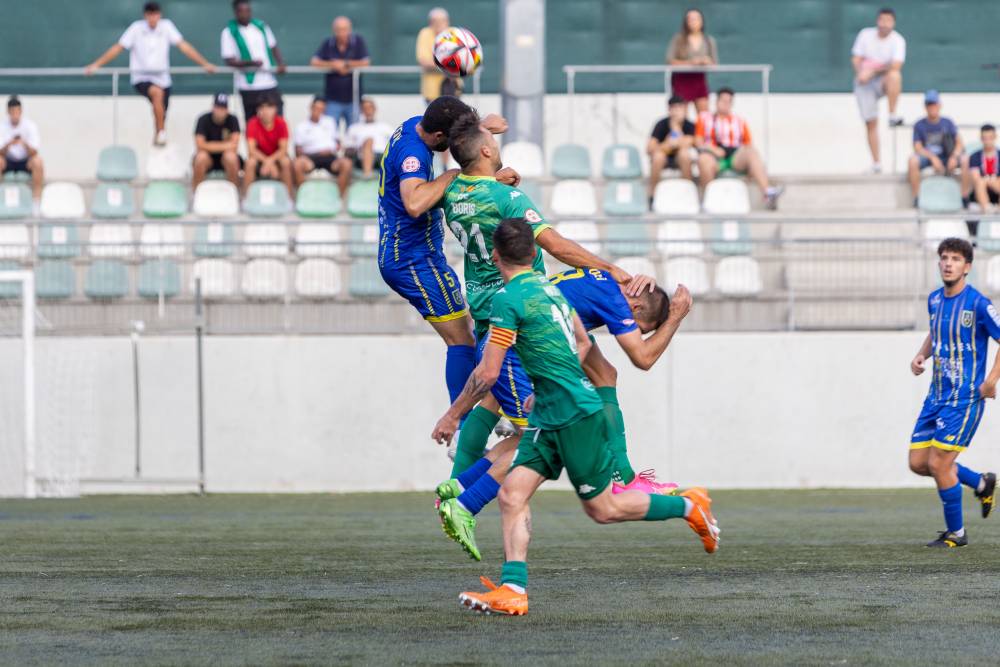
(657, 306)
(442, 112)
(725, 90)
(676, 99)
(14, 101)
(514, 241)
(151, 8)
(987, 128)
(465, 139)
(267, 101)
(237, 3)
(887, 10)
(953, 244)
(318, 98)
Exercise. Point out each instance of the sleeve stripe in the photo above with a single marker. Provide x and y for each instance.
(541, 228)
(502, 337)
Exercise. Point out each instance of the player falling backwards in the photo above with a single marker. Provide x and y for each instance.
(962, 323)
(567, 426)
(411, 229)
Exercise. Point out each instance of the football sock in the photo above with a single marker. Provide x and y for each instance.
(458, 366)
(515, 574)
(969, 478)
(474, 472)
(616, 423)
(472, 440)
(479, 494)
(662, 508)
(952, 501)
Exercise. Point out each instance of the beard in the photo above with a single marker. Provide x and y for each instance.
(440, 146)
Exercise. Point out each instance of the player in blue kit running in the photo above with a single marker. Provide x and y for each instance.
(411, 229)
(962, 322)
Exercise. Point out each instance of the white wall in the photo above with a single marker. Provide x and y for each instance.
(354, 413)
(810, 133)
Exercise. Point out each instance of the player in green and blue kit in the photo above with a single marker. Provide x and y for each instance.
(962, 322)
(567, 427)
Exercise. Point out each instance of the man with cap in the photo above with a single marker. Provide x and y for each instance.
(216, 138)
(936, 143)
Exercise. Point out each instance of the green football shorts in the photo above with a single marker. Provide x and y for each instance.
(582, 448)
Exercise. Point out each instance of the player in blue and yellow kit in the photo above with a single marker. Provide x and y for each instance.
(962, 322)
(411, 230)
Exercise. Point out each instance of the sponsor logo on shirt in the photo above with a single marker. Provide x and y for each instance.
(587, 384)
(968, 317)
(936, 300)
(586, 488)
(514, 194)
(411, 164)
(532, 216)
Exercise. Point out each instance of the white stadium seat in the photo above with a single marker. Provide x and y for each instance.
(676, 196)
(264, 279)
(166, 163)
(637, 265)
(110, 240)
(993, 274)
(584, 232)
(218, 277)
(936, 230)
(216, 199)
(738, 276)
(266, 240)
(15, 241)
(161, 240)
(573, 197)
(319, 239)
(318, 278)
(525, 157)
(63, 201)
(679, 237)
(690, 271)
(727, 196)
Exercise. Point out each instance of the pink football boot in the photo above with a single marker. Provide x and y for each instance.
(646, 482)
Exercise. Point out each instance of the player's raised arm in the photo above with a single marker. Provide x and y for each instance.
(420, 196)
(917, 365)
(478, 385)
(573, 254)
(644, 352)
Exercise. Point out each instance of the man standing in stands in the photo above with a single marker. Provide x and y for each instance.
(339, 55)
(936, 143)
(249, 44)
(217, 138)
(878, 55)
(431, 79)
(19, 143)
(148, 42)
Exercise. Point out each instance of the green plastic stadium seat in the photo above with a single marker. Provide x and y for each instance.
(117, 163)
(626, 198)
(939, 194)
(15, 200)
(58, 241)
(364, 241)
(362, 199)
(106, 279)
(628, 238)
(621, 161)
(571, 161)
(54, 279)
(112, 201)
(214, 240)
(159, 275)
(9, 289)
(318, 199)
(17, 177)
(730, 237)
(164, 199)
(267, 199)
(366, 281)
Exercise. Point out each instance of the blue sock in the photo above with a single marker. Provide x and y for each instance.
(474, 472)
(479, 494)
(952, 501)
(969, 478)
(458, 366)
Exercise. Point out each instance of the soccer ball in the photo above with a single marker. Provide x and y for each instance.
(457, 52)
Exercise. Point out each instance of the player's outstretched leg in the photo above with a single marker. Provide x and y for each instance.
(983, 485)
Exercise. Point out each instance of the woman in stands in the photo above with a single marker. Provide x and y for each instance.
(691, 46)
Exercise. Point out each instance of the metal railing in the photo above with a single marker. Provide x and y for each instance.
(115, 73)
(765, 86)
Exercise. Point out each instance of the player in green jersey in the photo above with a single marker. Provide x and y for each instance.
(567, 427)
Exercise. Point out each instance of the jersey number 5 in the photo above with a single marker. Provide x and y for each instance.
(565, 322)
(463, 239)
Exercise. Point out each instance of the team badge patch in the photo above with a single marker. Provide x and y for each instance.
(532, 216)
(968, 317)
(411, 164)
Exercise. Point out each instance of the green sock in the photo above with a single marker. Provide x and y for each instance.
(616, 422)
(662, 508)
(472, 439)
(514, 572)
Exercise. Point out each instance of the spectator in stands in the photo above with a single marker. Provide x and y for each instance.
(984, 168)
(267, 146)
(367, 139)
(723, 141)
(878, 55)
(691, 46)
(936, 143)
(670, 143)
(217, 138)
(19, 144)
(316, 147)
(248, 44)
(338, 55)
(432, 81)
(148, 42)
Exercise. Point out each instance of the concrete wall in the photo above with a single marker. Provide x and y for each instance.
(354, 413)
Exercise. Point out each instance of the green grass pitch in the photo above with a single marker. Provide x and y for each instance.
(803, 577)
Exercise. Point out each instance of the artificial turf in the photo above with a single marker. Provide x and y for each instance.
(802, 577)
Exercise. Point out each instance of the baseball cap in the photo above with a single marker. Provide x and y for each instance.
(220, 100)
(932, 97)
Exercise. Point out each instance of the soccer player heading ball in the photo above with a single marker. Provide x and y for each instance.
(962, 323)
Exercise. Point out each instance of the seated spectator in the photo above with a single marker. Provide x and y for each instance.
(984, 167)
(723, 141)
(691, 46)
(936, 143)
(316, 147)
(267, 146)
(367, 139)
(339, 55)
(19, 144)
(216, 139)
(670, 143)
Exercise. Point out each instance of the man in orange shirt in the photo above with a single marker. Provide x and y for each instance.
(267, 147)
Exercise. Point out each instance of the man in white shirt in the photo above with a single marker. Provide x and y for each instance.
(148, 42)
(367, 139)
(19, 144)
(248, 44)
(316, 147)
(878, 55)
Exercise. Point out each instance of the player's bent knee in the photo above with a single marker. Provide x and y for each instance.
(510, 499)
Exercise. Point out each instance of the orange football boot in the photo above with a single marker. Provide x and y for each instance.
(701, 519)
(498, 600)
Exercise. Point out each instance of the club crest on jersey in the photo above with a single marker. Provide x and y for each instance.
(411, 164)
(532, 216)
(968, 317)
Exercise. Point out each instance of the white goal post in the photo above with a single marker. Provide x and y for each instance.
(26, 281)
